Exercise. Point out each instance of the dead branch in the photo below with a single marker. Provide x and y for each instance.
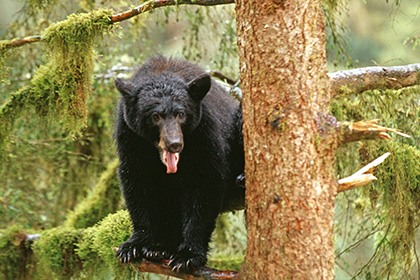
(153, 4)
(362, 79)
(362, 176)
(350, 132)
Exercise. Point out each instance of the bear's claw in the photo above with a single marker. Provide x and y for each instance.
(186, 262)
(128, 253)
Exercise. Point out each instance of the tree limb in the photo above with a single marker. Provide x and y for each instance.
(201, 273)
(350, 132)
(143, 8)
(153, 4)
(361, 177)
(165, 269)
(358, 80)
(161, 268)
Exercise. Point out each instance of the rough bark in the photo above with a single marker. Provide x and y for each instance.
(289, 172)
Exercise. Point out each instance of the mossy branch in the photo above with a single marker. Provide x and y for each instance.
(59, 89)
(359, 80)
(351, 132)
(66, 252)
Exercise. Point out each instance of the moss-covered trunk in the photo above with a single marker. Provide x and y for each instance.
(289, 165)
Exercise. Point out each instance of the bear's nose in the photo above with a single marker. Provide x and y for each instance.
(175, 146)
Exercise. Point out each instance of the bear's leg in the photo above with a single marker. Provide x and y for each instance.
(141, 244)
(198, 221)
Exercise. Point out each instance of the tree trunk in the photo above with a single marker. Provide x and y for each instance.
(290, 186)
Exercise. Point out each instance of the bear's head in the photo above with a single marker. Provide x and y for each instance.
(163, 109)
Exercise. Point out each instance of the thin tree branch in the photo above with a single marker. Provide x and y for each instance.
(350, 132)
(362, 79)
(20, 42)
(141, 9)
(361, 177)
(153, 4)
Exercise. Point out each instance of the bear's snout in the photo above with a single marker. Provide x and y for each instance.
(175, 146)
(171, 136)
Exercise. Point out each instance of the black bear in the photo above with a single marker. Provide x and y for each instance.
(179, 140)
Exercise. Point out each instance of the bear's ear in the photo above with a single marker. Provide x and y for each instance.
(199, 87)
(124, 87)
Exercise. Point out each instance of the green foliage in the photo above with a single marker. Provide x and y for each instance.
(62, 86)
(103, 200)
(9, 112)
(335, 14)
(384, 214)
(396, 195)
(41, 4)
(227, 249)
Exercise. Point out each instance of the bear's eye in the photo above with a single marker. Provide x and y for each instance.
(181, 115)
(155, 117)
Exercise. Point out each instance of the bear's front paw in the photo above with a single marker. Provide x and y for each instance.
(129, 252)
(186, 260)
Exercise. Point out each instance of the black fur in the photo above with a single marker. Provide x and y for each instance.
(174, 105)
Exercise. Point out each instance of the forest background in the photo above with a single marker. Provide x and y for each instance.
(47, 173)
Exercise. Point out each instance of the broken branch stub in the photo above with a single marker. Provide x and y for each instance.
(362, 176)
(350, 132)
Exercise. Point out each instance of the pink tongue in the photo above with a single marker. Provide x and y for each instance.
(171, 160)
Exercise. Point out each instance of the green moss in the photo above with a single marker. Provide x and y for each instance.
(64, 84)
(15, 254)
(227, 249)
(390, 204)
(227, 263)
(397, 193)
(97, 246)
(59, 89)
(55, 251)
(104, 199)
(68, 253)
